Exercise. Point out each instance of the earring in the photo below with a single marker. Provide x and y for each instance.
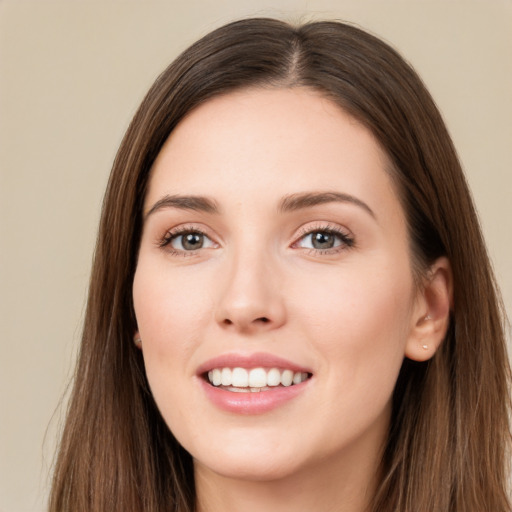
(138, 342)
(428, 317)
(424, 347)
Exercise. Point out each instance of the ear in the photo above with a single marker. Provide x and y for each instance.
(137, 340)
(431, 312)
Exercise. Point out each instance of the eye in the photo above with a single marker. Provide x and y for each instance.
(187, 241)
(325, 239)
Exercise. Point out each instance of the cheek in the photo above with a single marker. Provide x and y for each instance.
(170, 307)
(170, 311)
(359, 321)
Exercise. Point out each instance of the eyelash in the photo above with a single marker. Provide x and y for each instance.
(177, 232)
(347, 241)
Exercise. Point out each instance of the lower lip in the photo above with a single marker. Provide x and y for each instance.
(257, 402)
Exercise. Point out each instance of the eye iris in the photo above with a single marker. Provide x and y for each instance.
(322, 240)
(192, 241)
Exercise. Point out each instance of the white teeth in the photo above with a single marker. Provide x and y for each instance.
(237, 390)
(287, 378)
(245, 390)
(274, 377)
(239, 377)
(225, 377)
(256, 379)
(299, 377)
(216, 379)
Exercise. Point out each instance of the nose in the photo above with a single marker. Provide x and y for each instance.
(251, 298)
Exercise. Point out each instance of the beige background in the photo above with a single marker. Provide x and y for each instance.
(72, 74)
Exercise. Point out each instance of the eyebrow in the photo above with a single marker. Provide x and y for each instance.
(289, 203)
(309, 199)
(195, 203)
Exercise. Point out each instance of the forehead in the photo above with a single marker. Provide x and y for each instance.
(265, 142)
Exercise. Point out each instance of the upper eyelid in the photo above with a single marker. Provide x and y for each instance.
(313, 226)
(304, 230)
(188, 228)
(182, 229)
(346, 236)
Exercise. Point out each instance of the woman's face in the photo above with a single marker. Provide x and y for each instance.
(274, 244)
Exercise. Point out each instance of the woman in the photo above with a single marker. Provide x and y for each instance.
(291, 304)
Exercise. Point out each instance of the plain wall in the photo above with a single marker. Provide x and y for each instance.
(71, 76)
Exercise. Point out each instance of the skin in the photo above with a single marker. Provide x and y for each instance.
(350, 314)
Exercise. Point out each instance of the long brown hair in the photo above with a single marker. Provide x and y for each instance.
(449, 437)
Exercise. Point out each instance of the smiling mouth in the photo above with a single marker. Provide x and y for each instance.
(254, 380)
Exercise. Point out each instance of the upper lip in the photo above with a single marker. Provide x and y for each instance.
(256, 360)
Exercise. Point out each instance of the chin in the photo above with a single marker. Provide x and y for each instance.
(255, 469)
(255, 461)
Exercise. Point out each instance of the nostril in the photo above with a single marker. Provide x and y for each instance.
(262, 320)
